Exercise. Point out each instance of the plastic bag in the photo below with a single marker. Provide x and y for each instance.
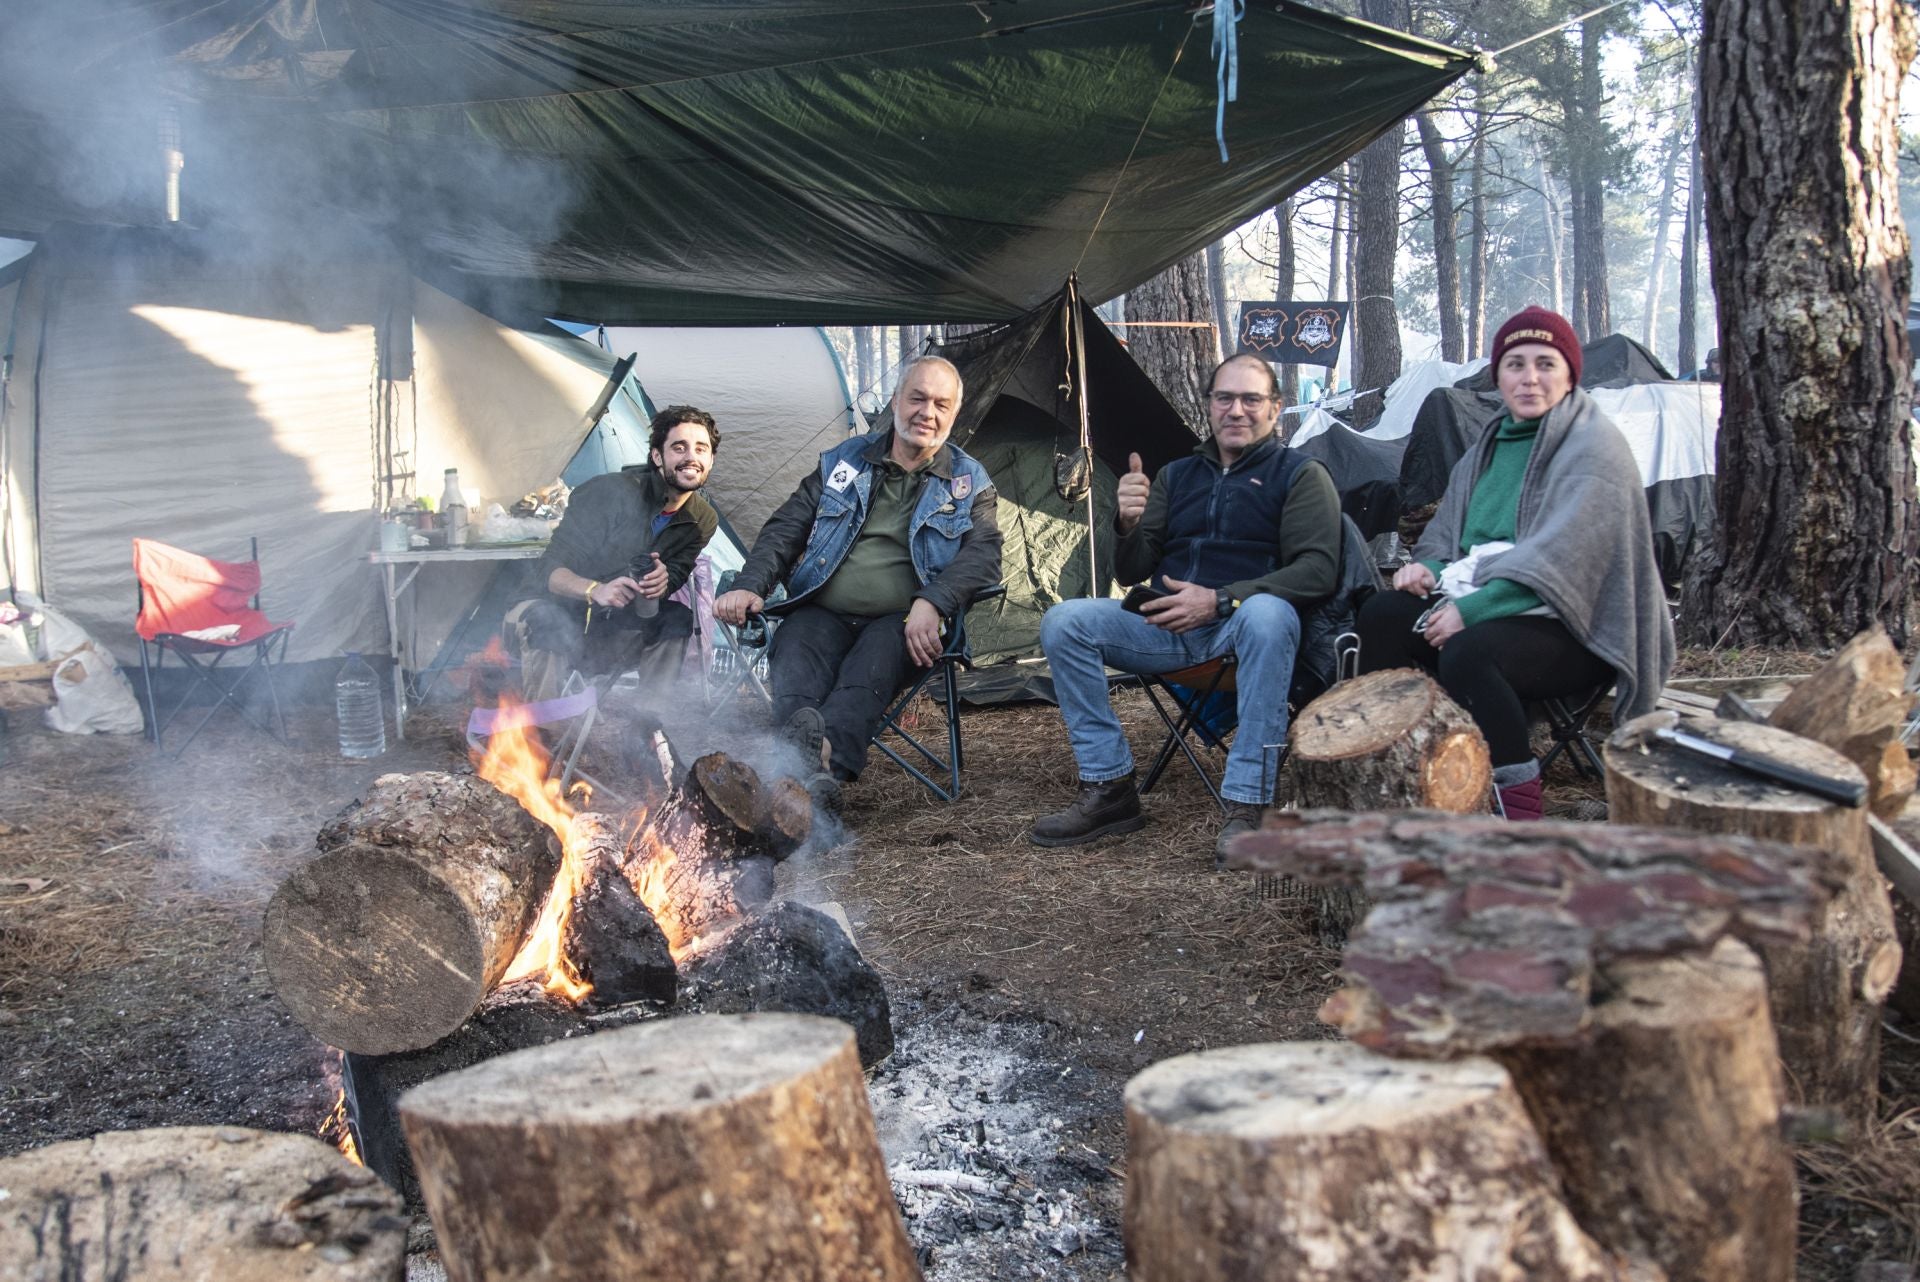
(501, 528)
(90, 695)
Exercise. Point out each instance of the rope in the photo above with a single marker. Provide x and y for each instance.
(1542, 35)
(1226, 51)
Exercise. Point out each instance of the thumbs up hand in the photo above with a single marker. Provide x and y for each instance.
(1130, 497)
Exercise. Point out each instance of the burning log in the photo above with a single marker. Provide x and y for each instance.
(610, 937)
(736, 814)
(1598, 965)
(181, 1204)
(793, 958)
(1319, 1160)
(732, 1147)
(414, 910)
(513, 1018)
(1390, 740)
(1826, 990)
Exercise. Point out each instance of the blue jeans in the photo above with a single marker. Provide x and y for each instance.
(1083, 638)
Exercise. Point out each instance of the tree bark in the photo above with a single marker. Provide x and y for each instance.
(183, 1204)
(1592, 139)
(1663, 216)
(1814, 499)
(1826, 993)
(1337, 236)
(1446, 248)
(734, 1147)
(1477, 253)
(415, 908)
(1390, 740)
(1217, 293)
(1284, 268)
(1687, 350)
(1320, 1161)
(1176, 358)
(1556, 238)
(1665, 1123)
(1376, 241)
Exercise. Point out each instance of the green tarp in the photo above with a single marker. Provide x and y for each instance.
(828, 161)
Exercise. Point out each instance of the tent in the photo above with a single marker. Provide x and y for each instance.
(160, 387)
(1613, 360)
(1021, 413)
(697, 161)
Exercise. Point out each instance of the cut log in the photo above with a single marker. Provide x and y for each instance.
(610, 939)
(1857, 704)
(723, 807)
(1825, 993)
(1319, 1160)
(417, 904)
(794, 958)
(1389, 740)
(1665, 1123)
(187, 1204)
(710, 1147)
(513, 1018)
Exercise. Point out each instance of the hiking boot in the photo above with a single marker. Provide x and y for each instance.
(1100, 809)
(1521, 801)
(1242, 816)
(825, 791)
(806, 730)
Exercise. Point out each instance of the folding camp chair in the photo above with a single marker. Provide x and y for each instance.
(1192, 692)
(1567, 719)
(945, 671)
(205, 611)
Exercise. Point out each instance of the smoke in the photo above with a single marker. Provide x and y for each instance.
(298, 150)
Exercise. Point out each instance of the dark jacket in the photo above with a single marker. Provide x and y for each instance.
(608, 529)
(956, 535)
(1269, 523)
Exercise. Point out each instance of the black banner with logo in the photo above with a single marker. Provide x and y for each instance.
(1294, 333)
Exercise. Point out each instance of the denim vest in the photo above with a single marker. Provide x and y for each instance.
(1221, 525)
(943, 514)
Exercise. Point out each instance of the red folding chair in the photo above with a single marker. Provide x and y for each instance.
(205, 611)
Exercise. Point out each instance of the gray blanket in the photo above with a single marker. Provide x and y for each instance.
(1581, 540)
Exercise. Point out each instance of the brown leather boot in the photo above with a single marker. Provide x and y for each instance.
(1242, 816)
(1099, 810)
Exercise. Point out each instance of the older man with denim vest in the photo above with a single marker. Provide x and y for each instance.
(1243, 536)
(892, 531)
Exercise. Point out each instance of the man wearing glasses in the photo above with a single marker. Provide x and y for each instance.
(1239, 537)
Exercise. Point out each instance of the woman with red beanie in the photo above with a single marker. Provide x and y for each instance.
(1536, 577)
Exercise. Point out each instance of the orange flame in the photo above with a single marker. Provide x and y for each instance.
(517, 764)
(337, 1132)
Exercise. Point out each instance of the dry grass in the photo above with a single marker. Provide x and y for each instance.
(1877, 1171)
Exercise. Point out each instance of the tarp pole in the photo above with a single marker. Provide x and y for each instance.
(1079, 338)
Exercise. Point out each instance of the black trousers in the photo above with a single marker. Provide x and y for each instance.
(1491, 669)
(848, 666)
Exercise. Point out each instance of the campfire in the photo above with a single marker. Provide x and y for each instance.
(452, 918)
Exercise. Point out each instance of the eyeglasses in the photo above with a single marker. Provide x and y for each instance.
(1252, 400)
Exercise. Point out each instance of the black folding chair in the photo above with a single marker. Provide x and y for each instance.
(946, 673)
(1567, 718)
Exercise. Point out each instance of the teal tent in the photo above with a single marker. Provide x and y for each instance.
(673, 161)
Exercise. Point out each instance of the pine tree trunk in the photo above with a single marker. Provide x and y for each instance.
(1556, 252)
(1376, 240)
(1217, 290)
(1687, 351)
(1663, 217)
(1594, 315)
(1477, 252)
(1446, 250)
(1177, 358)
(865, 373)
(1337, 239)
(1283, 274)
(1814, 499)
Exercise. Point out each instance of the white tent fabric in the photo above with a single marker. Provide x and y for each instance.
(778, 395)
(1404, 396)
(1671, 427)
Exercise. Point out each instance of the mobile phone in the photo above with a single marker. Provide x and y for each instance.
(1138, 597)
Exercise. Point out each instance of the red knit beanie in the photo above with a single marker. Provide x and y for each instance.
(1538, 325)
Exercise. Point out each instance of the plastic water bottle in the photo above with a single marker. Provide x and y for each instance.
(356, 700)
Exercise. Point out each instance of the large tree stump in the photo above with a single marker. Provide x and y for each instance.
(1390, 740)
(1664, 1123)
(1857, 704)
(190, 1204)
(1826, 993)
(711, 1147)
(1320, 1160)
(413, 911)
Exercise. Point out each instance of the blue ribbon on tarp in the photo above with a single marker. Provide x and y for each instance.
(1226, 52)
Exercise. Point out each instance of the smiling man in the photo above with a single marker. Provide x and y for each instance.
(1240, 538)
(889, 533)
(628, 541)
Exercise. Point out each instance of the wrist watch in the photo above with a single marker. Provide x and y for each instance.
(1223, 603)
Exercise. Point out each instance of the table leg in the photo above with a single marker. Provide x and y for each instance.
(393, 642)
